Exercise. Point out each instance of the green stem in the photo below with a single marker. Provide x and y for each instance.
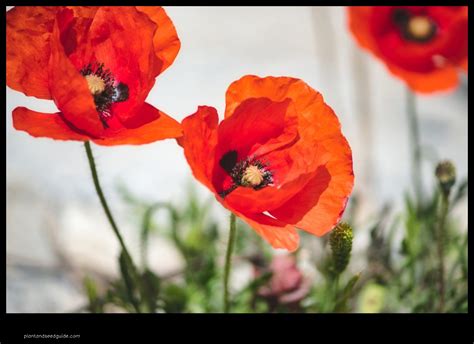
(230, 247)
(440, 246)
(108, 213)
(415, 145)
(336, 291)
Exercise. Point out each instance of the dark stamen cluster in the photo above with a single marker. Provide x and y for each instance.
(112, 92)
(401, 18)
(237, 169)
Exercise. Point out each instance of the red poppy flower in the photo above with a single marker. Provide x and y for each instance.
(278, 160)
(98, 64)
(423, 45)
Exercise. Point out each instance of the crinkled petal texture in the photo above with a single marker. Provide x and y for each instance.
(165, 41)
(427, 66)
(28, 32)
(134, 44)
(285, 124)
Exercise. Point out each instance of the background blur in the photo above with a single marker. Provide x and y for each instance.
(56, 229)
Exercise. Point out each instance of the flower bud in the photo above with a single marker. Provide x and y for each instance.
(340, 240)
(446, 174)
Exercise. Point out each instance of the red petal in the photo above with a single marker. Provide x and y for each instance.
(199, 142)
(277, 233)
(452, 45)
(319, 206)
(358, 20)
(316, 120)
(122, 39)
(318, 128)
(438, 80)
(74, 35)
(296, 174)
(69, 88)
(28, 32)
(258, 126)
(165, 40)
(40, 124)
(162, 127)
(463, 64)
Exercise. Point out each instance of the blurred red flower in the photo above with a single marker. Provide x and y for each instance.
(278, 160)
(98, 64)
(423, 45)
(287, 284)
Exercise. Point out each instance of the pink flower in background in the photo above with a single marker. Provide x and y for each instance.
(287, 285)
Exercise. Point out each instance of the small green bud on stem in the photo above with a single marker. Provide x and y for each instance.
(446, 174)
(340, 240)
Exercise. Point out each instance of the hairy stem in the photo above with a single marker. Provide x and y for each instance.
(440, 247)
(415, 146)
(108, 213)
(230, 247)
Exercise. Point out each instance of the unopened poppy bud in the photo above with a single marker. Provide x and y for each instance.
(446, 174)
(340, 240)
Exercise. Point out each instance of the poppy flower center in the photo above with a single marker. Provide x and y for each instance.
(95, 83)
(104, 88)
(252, 176)
(420, 27)
(250, 172)
(417, 28)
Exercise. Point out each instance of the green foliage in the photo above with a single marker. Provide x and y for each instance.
(95, 303)
(175, 298)
(346, 293)
(401, 273)
(412, 282)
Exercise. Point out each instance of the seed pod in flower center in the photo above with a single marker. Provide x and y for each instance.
(416, 28)
(421, 27)
(95, 83)
(104, 88)
(252, 176)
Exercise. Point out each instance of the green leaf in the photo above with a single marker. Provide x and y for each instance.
(460, 193)
(95, 303)
(409, 203)
(350, 284)
(412, 235)
(151, 289)
(255, 284)
(245, 300)
(127, 277)
(341, 305)
(463, 257)
(175, 298)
